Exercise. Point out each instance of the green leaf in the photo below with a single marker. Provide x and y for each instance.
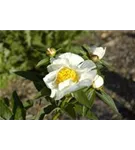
(81, 97)
(90, 115)
(44, 92)
(69, 109)
(18, 108)
(30, 75)
(27, 104)
(46, 110)
(1, 118)
(83, 47)
(6, 101)
(44, 61)
(5, 112)
(84, 110)
(37, 41)
(102, 63)
(28, 37)
(91, 97)
(55, 117)
(39, 85)
(108, 100)
(106, 64)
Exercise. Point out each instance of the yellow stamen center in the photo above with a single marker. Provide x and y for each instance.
(65, 74)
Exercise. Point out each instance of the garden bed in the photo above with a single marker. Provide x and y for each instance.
(119, 81)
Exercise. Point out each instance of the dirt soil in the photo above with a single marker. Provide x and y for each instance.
(119, 82)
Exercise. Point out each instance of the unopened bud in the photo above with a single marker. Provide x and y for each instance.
(51, 52)
(98, 82)
(94, 58)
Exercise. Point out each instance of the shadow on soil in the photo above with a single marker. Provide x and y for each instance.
(125, 89)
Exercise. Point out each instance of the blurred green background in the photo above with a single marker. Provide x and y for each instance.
(21, 50)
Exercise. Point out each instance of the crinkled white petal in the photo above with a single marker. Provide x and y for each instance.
(49, 79)
(87, 64)
(98, 82)
(99, 51)
(53, 93)
(87, 70)
(74, 59)
(57, 64)
(64, 84)
(72, 88)
(68, 86)
(89, 75)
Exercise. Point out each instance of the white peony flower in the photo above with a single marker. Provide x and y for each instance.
(98, 82)
(97, 51)
(68, 73)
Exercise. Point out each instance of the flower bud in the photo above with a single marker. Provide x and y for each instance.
(97, 51)
(51, 52)
(98, 82)
(94, 58)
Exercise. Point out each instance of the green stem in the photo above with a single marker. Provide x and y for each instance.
(67, 100)
(55, 117)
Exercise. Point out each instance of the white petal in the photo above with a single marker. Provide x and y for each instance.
(65, 84)
(98, 82)
(86, 79)
(87, 70)
(74, 59)
(89, 75)
(53, 93)
(69, 86)
(99, 51)
(49, 79)
(73, 88)
(87, 64)
(84, 83)
(57, 64)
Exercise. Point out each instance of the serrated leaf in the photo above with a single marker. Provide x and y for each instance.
(81, 97)
(30, 75)
(108, 100)
(90, 115)
(18, 108)
(69, 109)
(91, 97)
(44, 61)
(5, 112)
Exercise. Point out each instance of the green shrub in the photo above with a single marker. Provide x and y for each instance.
(21, 50)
